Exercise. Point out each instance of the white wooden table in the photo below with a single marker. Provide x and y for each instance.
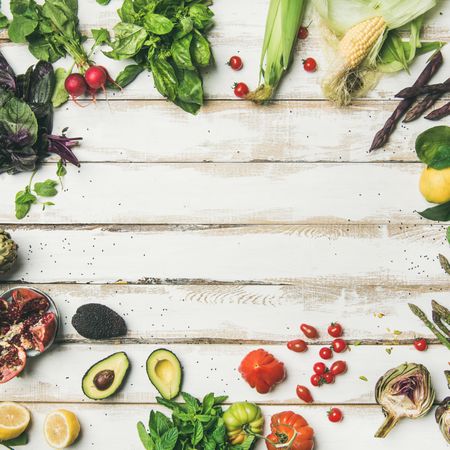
(217, 234)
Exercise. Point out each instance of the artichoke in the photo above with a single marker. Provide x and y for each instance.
(404, 391)
(443, 418)
(8, 251)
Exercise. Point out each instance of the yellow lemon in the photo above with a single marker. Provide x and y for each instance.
(14, 420)
(61, 428)
(435, 185)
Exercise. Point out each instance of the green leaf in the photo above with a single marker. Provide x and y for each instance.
(23, 201)
(447, 234)
(169, 439)
(100, 35)
(60, 95)
(4, 22)
(20, 28)
(184, 26)
(21, 440)
(146, 440)
(201, 16)
(127, 12)
(433, 147)
(201, 50)
(129, 39)
(438, 213)
(191, 402)
(220, 432)
(198, 434)
(61, 170)
(208, 403)
(181, 53)
(164, 77)
(103, 2)
(220, 399)
(159, 422)
(158, 24)
(128, 75)
(363, 378)
(46, 188)
(190, 89)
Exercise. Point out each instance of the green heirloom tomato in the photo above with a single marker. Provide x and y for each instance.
(242, 419)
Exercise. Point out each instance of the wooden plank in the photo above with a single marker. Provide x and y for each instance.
(291, 131)
(114, 427)
(365, 254)
(241, 193)
(241, 31)
(214, 368)
(256, 315)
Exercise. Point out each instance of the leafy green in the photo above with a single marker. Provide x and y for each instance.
(101, 36)
(21, 440)
(103, 2)
(60, 95)
(46, 188)
(24, 200)
(168, 38)
(447, 234)
(194, 424)
(438, 213)
(433, 147)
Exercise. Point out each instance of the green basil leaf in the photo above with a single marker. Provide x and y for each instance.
(201, 15)
(439, 213)
(46, 188)
(129, 39)
(60, 95)
(128, 75)
(183, 27)
(164, 77)
(21, 27)
(101, 36)
(433, 147)
(158, 24)
(181, 53)
(201, 50)
(190, 88)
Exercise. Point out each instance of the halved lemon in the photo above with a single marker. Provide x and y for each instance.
(14, 420)
(61, 428)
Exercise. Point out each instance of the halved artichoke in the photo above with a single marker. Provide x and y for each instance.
(404, 391)
(8, 251)
(443, 418)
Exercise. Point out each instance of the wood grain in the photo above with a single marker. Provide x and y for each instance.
(116, 424)
(56, 376)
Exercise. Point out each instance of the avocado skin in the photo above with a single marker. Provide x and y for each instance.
(96, 321)
(102, 365)
(153, 379)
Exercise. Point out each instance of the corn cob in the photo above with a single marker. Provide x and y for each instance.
(359, 40)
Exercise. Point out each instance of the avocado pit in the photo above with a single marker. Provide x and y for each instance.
(104, 379)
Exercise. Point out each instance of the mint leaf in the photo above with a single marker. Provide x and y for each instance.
(146, 440)
(198, 433)
(46, 189)
(169, 439)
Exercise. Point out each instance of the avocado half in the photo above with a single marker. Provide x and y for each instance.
(106, 377)
(165, 373)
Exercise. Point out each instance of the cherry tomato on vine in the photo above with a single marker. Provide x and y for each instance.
(240, 90)
(309, 331)
(420, 344)
(297, 346)
(338, 367)
(235, 62)
(339, 345)
(304, 394)
(328, 377)
(325, 353)
(335, 415)
(310, 64)
(319, 368)
(316, 380)
(335, 330)
(303, 33)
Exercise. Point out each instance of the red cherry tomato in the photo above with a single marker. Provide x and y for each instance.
(236, 63)
(325, 353)
(303, 32)
(335, 330)
(338, 367)
(297, 346)
(304, 394)
(309, 64)
(309, 331)
(319, 368)
(240, 90)
(335, 415)
(316, 380)
(328, 377)
(420, 344)
(339, 345)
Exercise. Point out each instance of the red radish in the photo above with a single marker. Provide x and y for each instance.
(109, 79)
(96, 77)
(75, 85)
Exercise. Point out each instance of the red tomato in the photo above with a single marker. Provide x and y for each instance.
(309, 64)
(303, 32)
(325, 353)
(335, 330)
(262, 371)
(297, 346)
(241, 90)
(304, 394)
(320, 368)
(235, 63)
(338, 367)
(316, 380)
(288, 426)
(339, 345)
(335, 415)
(420, 344)
(309, 331)
(328, 377)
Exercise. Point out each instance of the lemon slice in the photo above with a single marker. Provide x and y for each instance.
(61, 428)
(14, 420)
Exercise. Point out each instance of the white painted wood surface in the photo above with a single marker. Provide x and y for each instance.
(234, 229)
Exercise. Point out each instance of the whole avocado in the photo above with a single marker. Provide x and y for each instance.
(96, 321)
